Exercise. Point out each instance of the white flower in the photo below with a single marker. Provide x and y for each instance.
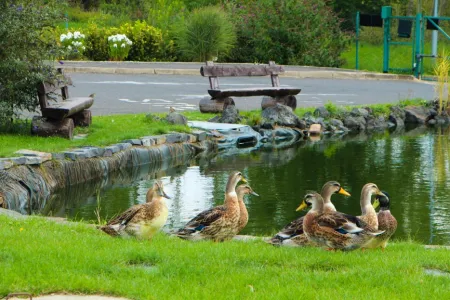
(69, 35)
(123, 45)
(62, 37)
(83, 47)
(82, 36)
(69, 47)
(115, 45)
(129, 42)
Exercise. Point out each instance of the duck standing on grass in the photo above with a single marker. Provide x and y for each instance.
(241, 191)
(334, 230)
(386, 222)
(142, 220)
(292, 234)
(219, 223)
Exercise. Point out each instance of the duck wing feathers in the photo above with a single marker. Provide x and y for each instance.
(203, 220)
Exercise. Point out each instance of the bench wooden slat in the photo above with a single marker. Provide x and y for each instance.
(50, 87)
(250, 70)
(270, 91)
(62, 109)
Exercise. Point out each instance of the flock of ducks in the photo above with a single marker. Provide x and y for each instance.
(322, 226)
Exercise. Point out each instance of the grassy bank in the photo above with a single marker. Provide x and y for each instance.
(107, 130)
(40, 256)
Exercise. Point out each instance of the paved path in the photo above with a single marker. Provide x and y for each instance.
(133, 93)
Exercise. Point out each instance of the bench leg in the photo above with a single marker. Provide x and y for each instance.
(83, 118)
(290, 101)
(41, 126)
(208, 105)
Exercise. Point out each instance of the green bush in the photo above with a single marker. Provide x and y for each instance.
(147, 41)
(295, 32)
(207, 33)
(96, 42)
(24, 47)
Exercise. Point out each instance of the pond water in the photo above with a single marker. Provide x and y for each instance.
(412, 166)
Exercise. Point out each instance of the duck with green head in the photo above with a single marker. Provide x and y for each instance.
(386, 222)
(142, 220)
(219, 223)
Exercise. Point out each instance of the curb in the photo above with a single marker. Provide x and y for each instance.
(291, 74)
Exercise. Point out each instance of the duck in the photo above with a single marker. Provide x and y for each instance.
(292, 234)
(386, 222)
(241, 191)
(142, 220)
(335, 230)
(219, 223)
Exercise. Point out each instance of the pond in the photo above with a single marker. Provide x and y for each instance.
(412, 166)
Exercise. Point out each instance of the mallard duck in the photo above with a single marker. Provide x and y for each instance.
(219, 223)
(334, 230)
(142, 220)
(292, 234)
(386, 222)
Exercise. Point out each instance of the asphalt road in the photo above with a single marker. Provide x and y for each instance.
(117, 93)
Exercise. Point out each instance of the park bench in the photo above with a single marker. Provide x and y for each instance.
(60, 113)
(220, 98)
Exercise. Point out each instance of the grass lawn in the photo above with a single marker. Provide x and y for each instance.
(41, 256)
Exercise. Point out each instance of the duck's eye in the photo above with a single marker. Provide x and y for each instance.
(336, 184)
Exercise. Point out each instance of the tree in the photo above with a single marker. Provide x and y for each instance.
(25, 45)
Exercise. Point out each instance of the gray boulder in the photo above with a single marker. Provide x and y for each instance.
(281, 115)
(416, 114)
(373, 122)
(336, 123)
(176, 118)
(397, 116)
(322, 112)
(359, 112)
(355, 123)
(230, 115)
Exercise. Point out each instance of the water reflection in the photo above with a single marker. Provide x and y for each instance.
(414, 167)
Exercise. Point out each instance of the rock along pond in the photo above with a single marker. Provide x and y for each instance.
(412, 166)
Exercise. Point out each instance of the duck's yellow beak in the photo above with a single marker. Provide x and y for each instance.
(380, 193)
(302, 206)
(344, 192)
(376, 203)
(243, 180)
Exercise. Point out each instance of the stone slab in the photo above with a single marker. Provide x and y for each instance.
(43, 155)
(200, 135)
(134, 142)
(5, 163)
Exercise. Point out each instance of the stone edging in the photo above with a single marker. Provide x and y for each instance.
(29, 157)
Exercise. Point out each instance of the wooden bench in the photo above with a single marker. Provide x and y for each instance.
(60, 116)
(220, 98)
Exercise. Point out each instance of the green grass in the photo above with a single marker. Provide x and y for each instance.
(41, 257)
(105, 130)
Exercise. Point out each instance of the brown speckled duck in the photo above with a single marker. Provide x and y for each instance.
(241, 191)
(142, 220)
(219, 223)
(334, 230)
(386, 222)
(292, 234)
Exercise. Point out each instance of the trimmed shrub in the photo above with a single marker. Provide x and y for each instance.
(147, 41)
(97, 42)
(294, 32)
(205, 34)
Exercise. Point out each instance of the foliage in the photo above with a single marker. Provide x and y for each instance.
(23, 51)
(73, 44)
(206, 34)
(80, 259)
(97, 42)
(294, 32)
(441, 70)
(163, 13)
(119, 46)
(147, 41)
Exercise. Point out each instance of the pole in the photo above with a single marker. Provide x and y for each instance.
(386, 13)
(434, 34)
(418, 48)
(357, 41)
